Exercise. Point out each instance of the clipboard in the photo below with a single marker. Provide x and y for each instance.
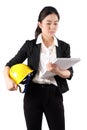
(63, 63)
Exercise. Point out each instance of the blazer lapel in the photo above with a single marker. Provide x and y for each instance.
(58, 50)
(36, 56)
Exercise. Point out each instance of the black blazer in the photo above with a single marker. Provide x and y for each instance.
(31, 51)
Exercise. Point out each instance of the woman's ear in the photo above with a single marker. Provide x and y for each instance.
(39, 24)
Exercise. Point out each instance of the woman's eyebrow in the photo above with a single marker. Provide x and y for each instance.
(51, 21)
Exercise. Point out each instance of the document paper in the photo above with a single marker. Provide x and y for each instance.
(63, 63)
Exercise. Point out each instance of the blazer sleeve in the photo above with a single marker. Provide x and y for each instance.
(66, 53)
(20, 56)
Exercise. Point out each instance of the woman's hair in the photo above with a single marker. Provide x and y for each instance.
(44, 13)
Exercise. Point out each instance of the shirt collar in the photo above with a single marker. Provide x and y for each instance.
(39, 40)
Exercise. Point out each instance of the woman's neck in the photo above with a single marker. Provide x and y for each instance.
(48, 41)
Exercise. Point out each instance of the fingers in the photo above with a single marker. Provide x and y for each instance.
(12, 87)
(51, 67)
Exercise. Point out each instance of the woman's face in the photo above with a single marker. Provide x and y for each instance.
(49, 25)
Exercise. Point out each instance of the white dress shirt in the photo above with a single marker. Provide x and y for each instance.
(47, 54)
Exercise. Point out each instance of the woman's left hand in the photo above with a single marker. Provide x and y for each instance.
(58, 71)
(51, 67)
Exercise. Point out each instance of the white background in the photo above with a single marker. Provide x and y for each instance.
(18, 21)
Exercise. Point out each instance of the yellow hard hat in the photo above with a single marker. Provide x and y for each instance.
(19, 71)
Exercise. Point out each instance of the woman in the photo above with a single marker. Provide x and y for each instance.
(43, 95)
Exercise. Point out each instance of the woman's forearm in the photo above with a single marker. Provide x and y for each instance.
(55, 69)
(63, 73)
(6, 72)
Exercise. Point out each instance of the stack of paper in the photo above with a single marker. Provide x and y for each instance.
(63, 63)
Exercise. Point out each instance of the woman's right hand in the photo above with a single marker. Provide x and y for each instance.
(11, 85)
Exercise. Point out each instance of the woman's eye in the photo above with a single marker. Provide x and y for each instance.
(55, 23)
(48, 23)
(51, 23)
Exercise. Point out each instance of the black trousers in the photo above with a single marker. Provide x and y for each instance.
(45, 99)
